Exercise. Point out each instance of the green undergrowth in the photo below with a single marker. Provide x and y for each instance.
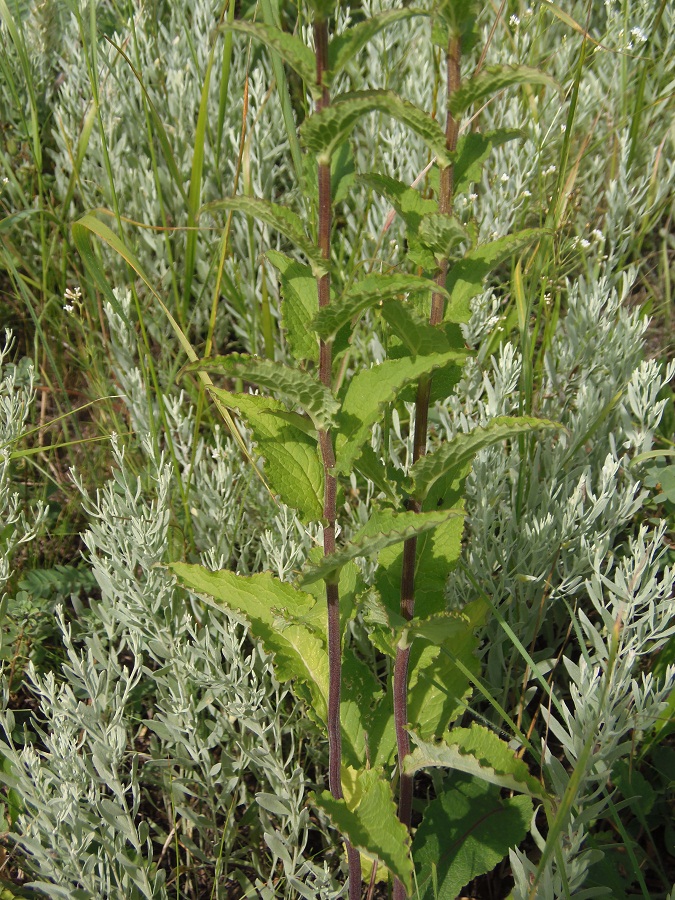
(191, 219)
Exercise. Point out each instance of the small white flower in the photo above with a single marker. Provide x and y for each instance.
(584, 243)
(68, 308)
(73, 294)
(529, 11)
(638, 34)
(5, 180)
(505, 178)
(563, 127)
(514, 21)
(526, 193)
(597, 234)
(473, 196)
(551, 169)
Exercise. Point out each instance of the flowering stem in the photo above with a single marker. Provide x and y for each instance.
(330, 484)
(445, 200)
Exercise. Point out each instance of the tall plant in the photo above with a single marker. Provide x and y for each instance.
(313, 430)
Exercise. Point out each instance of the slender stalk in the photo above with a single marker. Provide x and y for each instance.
(419, 449)
(330, 488)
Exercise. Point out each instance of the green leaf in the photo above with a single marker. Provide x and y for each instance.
(465, 833)
(371, 824)
(278, 217)
(261, 600)
(453, 459)
(360, 695)
(299, 305)
(437, 555)
(292, 464)
(478, 752)
(492, 79)
(291, 48)
(407, 201)
(465, 278)
(472, 151)
(296, 387)
(345, 46)
(195, 193)
(366, 293)
(440, 234)
(384, 528)
(323, 131)
(374, 469)
(419, 336)
(437, 689)
(368, 392)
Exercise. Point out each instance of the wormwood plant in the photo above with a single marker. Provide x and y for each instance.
(316, 431)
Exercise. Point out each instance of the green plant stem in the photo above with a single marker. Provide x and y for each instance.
(330, 485)
(419, 449)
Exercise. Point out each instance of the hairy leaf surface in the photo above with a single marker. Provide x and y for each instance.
(261, 600)
(492, 79)
(479, 752)
(372, 826)
(291, 48)
(278, 217)
(384, 528)
(323, 131)
(345, 46)
(366, 293)
(295, 386)
(292, 464)
(452, 460)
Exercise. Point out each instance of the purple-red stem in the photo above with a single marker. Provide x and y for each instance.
(445, 199)
(330, 484)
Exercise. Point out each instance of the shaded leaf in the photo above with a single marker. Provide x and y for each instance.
(323, 131)
(440, 234)
(292, 464)
(261, 600)
(372, 825)
(295, 386)
(453, 459)
(299, 305)
(417, 335)
(407, 201)
(465, 833)
(492, 79)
